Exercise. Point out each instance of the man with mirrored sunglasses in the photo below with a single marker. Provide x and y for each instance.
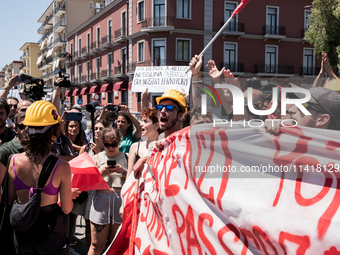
(170, 106)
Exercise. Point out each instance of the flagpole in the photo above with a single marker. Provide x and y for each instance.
(214, 38)
(236, 11)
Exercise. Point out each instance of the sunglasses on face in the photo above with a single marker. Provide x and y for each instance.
(13, 105)
(21, 127)
(168, 108)
(112, 145)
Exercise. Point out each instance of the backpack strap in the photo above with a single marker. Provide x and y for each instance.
(46, 171)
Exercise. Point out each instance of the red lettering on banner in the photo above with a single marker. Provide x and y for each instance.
(259, 233)
(331, 145)
(228, 162)
(186, 156)
(220, 235)
(328, 183)
(147, 250)
(207, 243)
(191, 241)
(278, 193)
(332, 251)
(302, 241)
(180, 229)
(326, 218)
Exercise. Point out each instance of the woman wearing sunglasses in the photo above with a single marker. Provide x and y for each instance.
(104, 212)
(130, 127)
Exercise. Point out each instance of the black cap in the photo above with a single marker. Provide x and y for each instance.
(328, 100)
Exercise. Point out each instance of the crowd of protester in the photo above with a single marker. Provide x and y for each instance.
(119, 137)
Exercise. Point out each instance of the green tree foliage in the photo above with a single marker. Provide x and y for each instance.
(324, 29)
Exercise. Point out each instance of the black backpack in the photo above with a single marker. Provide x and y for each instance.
(24, 216)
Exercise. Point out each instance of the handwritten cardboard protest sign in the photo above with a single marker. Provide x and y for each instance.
(161, 78)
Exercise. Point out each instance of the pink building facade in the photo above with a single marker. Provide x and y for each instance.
(265, 40)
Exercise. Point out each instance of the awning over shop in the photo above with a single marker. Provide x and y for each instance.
(120, 86)
(68, 93)
(107, 88)
(76, 92)
(95, 89)
(85, 91)
(130, 85)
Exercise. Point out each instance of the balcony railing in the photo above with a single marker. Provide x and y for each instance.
(59, 8)
(85, 78)
(45, 36)
(45, 62)
(162, 21)
(95, 47)
(58, 40)
(77, 55)
(274, 69)
(42, 52)
(58, 24)
(48, 19)
(233, 67)
(274, 30)
(107, 41)
(95, 76)
(85, 51)
(121, 32)
(234, 27)
(310, 70)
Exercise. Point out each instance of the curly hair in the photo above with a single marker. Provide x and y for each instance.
(152, 114)
(38, 145)
(112, 134)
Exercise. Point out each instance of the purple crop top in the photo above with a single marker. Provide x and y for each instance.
(49, 189)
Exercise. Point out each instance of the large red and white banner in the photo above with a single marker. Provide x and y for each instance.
(240, 191)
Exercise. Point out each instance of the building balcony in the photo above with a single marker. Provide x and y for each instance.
(45, 36)
(107, 75)
(95, 47)
(274, 32)
(46, 63)
(274, 69)
(107, 41)
(69, 59)
(233, 67)
(85, 52)
(59, 27)
(158, 24)
(309, 71)
(120, 71)
(59, 42)
(46, 25)
(59, 10)
(43, 52)
(237, 29)
(120, 35)
(47, 75)
(85, 80)
(95, 78)
(77, 55)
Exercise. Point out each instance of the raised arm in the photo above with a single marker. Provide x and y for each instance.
(12, 82)
(138, 129)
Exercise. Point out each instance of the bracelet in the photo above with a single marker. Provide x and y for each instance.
(124, 171)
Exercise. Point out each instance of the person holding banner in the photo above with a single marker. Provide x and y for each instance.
(104, 212)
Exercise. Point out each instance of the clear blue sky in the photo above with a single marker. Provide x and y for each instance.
(19, 20)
